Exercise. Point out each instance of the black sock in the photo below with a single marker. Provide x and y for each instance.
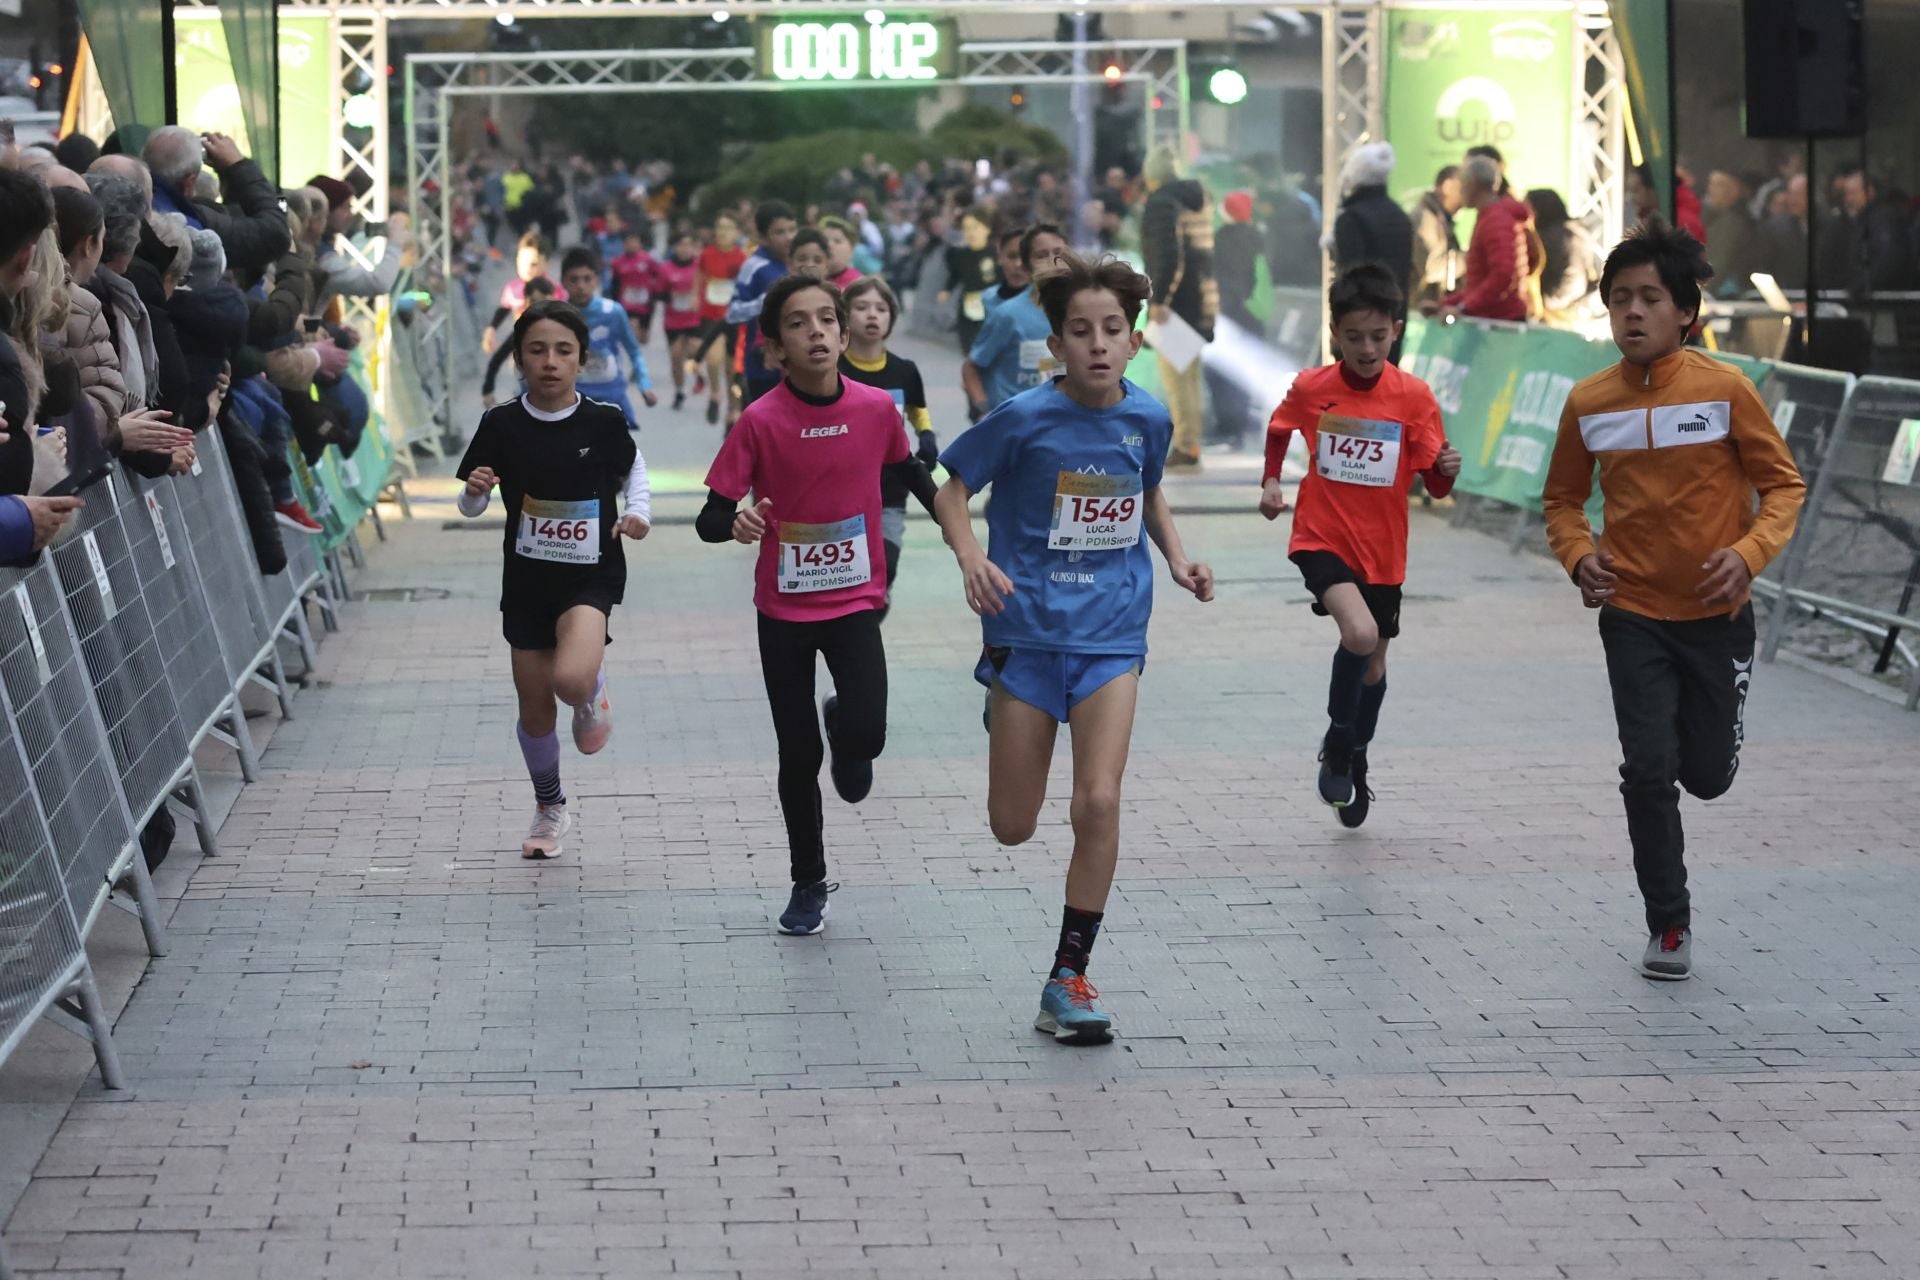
(1343, 694)
(1077, 932)
(1371, 696)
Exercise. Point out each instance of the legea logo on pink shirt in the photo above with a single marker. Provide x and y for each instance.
(814, 433)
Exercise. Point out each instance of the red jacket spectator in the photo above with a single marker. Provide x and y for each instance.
(1500, 258)
(1686, 211)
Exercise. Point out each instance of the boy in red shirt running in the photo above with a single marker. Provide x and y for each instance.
(636, 281)
(1370, 429)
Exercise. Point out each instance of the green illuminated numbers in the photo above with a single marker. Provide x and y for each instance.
(816, 51)
(904, 51)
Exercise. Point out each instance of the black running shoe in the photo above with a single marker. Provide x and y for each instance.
(806, 911)
(713, 412)
(1356, 811)
(853, 779)
(679, 398)
(1336, 776)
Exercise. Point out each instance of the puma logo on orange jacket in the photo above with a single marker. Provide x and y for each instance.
(1682, 446)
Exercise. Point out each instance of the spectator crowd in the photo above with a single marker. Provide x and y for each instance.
(160, 286)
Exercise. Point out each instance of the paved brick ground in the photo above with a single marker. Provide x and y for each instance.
(384, 1047)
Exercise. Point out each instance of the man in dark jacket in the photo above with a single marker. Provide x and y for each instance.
(252, 223)
(1176, 241)
(1865, 250)
(1370, 226)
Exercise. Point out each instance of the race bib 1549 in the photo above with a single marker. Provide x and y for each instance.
(1358, 451)
(1095, 513)
(824, 557)
(567, 532)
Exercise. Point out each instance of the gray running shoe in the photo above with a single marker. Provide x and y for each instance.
(1669, 955)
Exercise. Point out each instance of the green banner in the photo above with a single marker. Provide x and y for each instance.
(1459, 78)
(1641, 28)
(210, 97)
(250, 39)
(124, 37)
(1501, 389)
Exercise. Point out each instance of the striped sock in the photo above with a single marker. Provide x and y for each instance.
(543, 764)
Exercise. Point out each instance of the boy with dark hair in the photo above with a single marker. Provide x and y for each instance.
(809, 255)
(1064, 590)
(608, 334)
(1682, 443)
(1010, 354)
(774, 220)
(538, 289)
(812, 451)
(1371, 429)
(1014, 276)
(872, 311)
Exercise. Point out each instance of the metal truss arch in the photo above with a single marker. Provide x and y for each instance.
(434, 82)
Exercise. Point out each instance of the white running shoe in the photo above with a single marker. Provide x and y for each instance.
(550, 823)
(593, 723)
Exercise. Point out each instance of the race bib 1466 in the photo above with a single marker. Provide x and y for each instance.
(1358, 451)
(1095, 513)
(567, 532)
(824, 557)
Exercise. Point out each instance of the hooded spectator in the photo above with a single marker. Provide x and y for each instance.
(1237, 250)
(209, 315)
(1370, 226)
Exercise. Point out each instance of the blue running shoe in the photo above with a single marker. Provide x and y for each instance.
(852, 779)
(806, 911)
(1067, 1011)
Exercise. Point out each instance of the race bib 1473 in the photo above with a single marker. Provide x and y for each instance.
(824, 557)
(567, 532)
(1095, 513)
(1358, 451)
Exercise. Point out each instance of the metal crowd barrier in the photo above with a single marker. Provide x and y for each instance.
(1855, 558)
(122, 649)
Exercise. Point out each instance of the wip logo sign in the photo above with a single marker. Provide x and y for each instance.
(1479, 110)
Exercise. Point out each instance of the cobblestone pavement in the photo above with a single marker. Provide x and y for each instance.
(385, 1047)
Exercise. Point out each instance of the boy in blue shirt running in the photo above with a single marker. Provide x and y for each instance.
(608, 334)
(1064, 590)
(1010, 353)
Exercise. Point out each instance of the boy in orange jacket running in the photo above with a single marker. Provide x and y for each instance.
(1682, 443)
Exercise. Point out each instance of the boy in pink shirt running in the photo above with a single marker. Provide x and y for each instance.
(811, 452)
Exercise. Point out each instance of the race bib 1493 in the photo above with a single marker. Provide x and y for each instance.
(824, 557)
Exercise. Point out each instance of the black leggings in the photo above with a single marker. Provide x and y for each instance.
(858, 663)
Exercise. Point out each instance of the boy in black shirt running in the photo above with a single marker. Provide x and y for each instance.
(560, 461)
(873, 310)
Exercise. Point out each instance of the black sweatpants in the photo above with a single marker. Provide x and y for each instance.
(858, 663)
(1680, 698)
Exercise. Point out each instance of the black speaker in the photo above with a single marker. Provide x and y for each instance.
(1806, 68)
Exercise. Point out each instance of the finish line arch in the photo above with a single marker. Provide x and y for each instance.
(436, 81)
(1353, 55)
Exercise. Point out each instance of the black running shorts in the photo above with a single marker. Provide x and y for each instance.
(1324, 569)
(533, 625)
